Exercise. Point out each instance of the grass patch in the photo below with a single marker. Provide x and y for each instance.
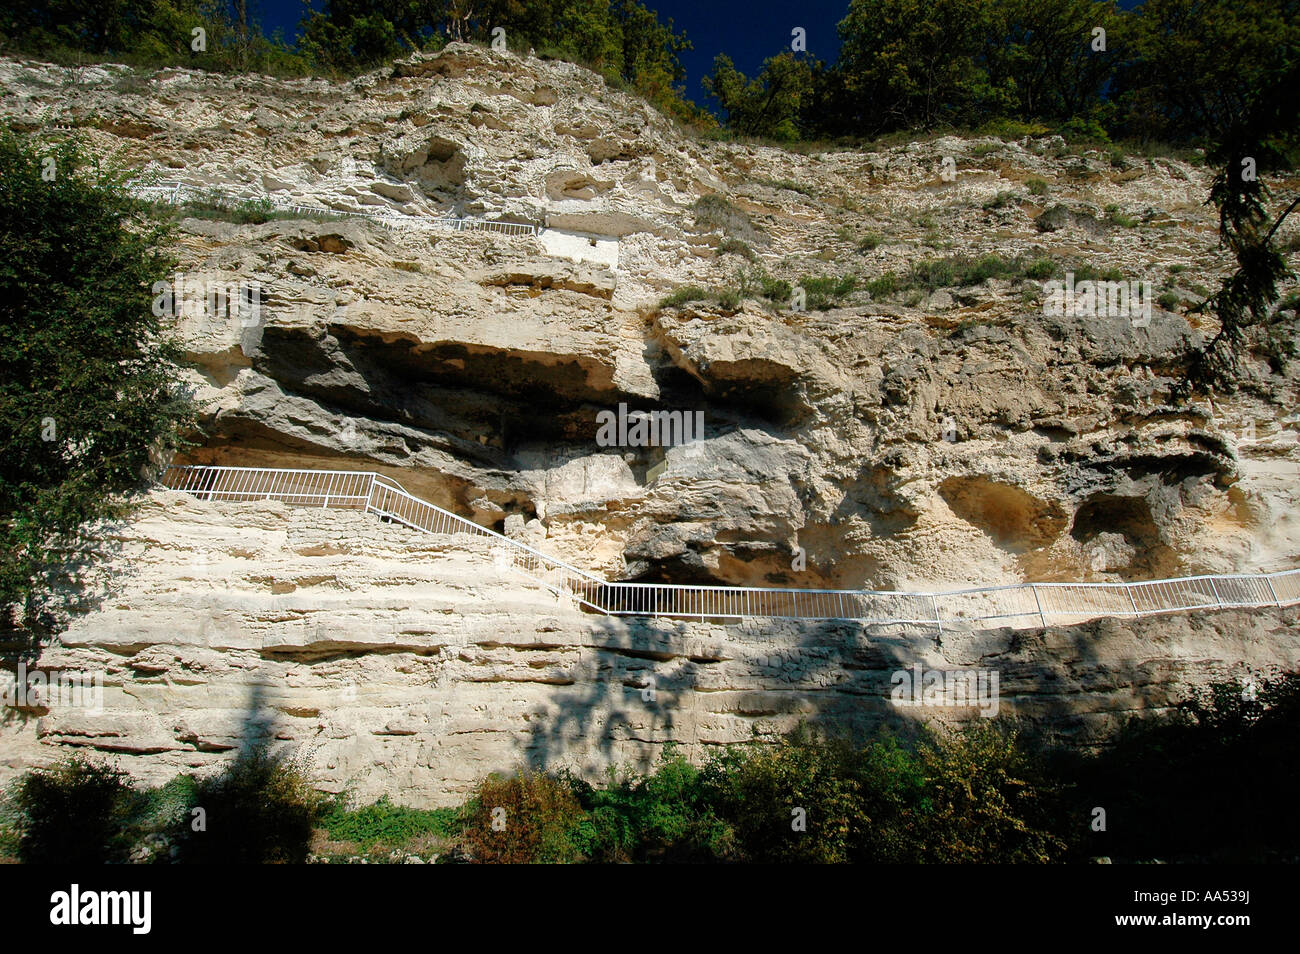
(1036, 186)
(733, 246)
(882, 286)
(999, 201)
(1115, 217)
(713, 213)
(870, 242)
(682, 296)
(827, 292)
(789, 184)
(388, 824)
(1089, 273)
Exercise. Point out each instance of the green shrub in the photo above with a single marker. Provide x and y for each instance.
(1041, 268)
(1036, 186)
(683, 295)
(528, 818)
(70, 813)
(789, 184)
(737, 247)
(1088, 273)
(259, 809)
(986, 267)
(870, 242)
(882, 286)
(984, 800)
(1001, 200)
(797, 801)
(1115, 217)
(775, 290)
(934, 273)
(714, 213)
(1168, 301)
(1006, 128)
(827, 292)
(1214, 781)
(662, 816)
(385, 823)
(756, 282)
(729, 298)
(1083, 130)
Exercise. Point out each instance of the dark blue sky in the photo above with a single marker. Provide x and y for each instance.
(748, 31)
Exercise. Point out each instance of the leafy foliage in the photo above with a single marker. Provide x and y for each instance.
(659, 816)
(527, 818)
(1264, 133)
(69, 814)
(1214, 781)
(385, 823)
(715, 213)
(773, 104)
(260, 809)
(88, 376)
(620, 39)
(150, 33)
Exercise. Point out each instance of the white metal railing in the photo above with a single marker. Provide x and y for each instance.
(1009, 605)
(177, 193)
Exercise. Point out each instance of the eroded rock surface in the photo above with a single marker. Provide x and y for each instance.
(927, 439)
(411, 665)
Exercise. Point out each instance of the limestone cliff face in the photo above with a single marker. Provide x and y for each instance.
(958, 437)
(412, 665)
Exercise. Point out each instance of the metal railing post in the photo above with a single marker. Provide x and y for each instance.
(1039, 603)
(1269, 581)
(370, 493)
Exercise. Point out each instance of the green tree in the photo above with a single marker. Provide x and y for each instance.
(346, 36)
(1198, 65)
(1259, 133)
(772, 104)
(88, 376)
(147, 33)
(1040, 58)
(910, 64)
